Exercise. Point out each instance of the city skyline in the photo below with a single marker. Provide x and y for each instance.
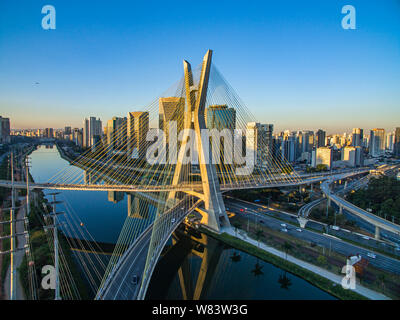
(338, 79)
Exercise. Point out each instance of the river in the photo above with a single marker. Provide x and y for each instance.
(192, 266)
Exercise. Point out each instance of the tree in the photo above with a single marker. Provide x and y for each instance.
(235, 257)
(259, 234)
(257, 271)
(321, 260)
(381, 279)
(287, 247)
(321, 167)
(284, 281)
(236, 225)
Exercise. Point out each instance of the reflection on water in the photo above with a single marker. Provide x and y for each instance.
(193, 266)
(196, 267)
(101, 213)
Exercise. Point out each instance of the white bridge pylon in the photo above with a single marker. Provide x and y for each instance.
(213, 210)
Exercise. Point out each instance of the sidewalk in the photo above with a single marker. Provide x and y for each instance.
(18, 256)
(368, 293)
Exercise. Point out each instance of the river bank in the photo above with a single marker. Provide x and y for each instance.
(329, 282)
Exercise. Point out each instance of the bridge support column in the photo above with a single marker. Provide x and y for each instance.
(302, 221)
(377, 233)
(214, 213)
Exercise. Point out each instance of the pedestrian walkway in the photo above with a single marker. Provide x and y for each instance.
(18, 256)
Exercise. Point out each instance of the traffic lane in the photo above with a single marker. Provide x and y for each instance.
(381, 261)
(276, 213)
(121, 286)
(371, 242)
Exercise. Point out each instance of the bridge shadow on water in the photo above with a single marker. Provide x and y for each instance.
(194, 266)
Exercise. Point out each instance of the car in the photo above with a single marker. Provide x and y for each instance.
(283, 225)
(335, 228)
(365, 237)
(261, 221)
(241, 210)
(397, 248)
(172, 220)
(371, 255)
(135, 279)
(299, 230)
(284, 230)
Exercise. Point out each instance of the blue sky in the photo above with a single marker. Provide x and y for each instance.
(290, 61)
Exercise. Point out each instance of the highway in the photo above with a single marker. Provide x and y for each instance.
(365, 215)
(381, 261)
(119, 285)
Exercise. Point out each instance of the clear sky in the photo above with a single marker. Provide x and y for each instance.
(291, 62)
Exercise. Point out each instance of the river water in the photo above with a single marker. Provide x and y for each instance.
(192, 266)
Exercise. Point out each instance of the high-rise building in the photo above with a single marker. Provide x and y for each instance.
(377, 142)
(389, 142)
(49, 133)
(137, 129)
(171, 109)
(4, 130)
(259, 140)
(115, 196)
(77, 137)
(91, 127)
(349, 155)
(220, 117)
(396, 144)
(357, 137)
(320, 136)
(323, 155)
(288, 146)
(307, 141)
(117, 133)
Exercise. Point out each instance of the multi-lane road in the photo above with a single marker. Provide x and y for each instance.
(265, 216)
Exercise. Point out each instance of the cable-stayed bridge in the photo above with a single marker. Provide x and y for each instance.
(196, 186)
(189, 175)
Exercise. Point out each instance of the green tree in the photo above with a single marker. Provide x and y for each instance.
(284, 281)
(257, 271)
(259, 234)
(381, 280)
(322, 260)
(236, 225)
(287, 247)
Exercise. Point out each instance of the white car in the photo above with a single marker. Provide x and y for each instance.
(284, 230)
(335, 228)
(283, 225)
(172, 220)
(365, 237)
(371, 255)
(299, 230)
